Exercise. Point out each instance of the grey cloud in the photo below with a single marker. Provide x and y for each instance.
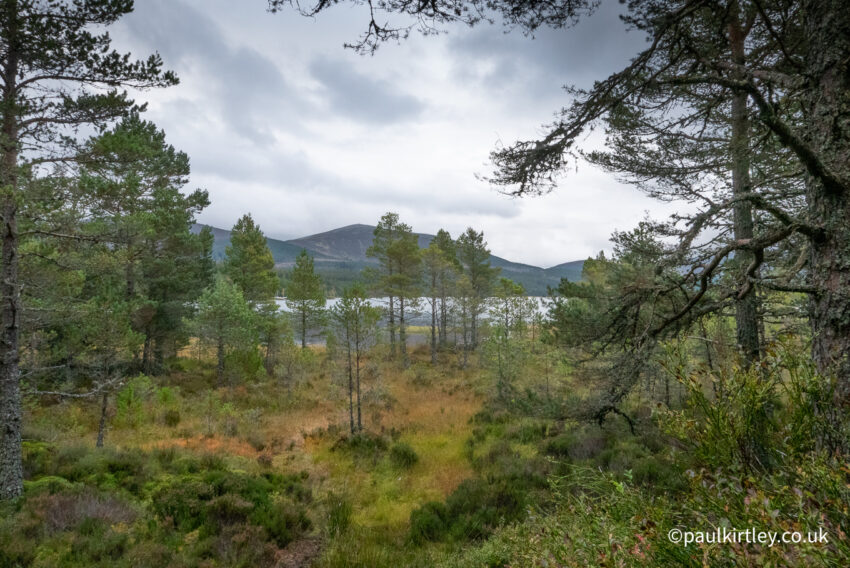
(362, 97)
(249, 76)
(246, 86)
(593, 49)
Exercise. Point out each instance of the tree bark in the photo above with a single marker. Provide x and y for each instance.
(828, 70)
(746, 308)
(11, 467)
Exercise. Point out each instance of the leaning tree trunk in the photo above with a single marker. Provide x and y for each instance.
(11, 468)
(828, 66)
(746, 307)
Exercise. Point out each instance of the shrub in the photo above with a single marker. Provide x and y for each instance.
(130, 400)
(402, 455)
(428, 523)
(471, 511)
(171, 417)
(527, 432)
(623, 455)
(283, 522)
(166, 396)
(213, 462)
(183, 502)
(96, 542)
(656, 472)
(105, 468)
(62, 511)
(48, 484)
(226, 509)
(580, 444)
(242, 546)
(363, 445)
(256, 440)
(265, 460)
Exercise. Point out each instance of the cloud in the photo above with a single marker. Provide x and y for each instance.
(240, 85)
(280, 121)
(550, 58)
(361, 97)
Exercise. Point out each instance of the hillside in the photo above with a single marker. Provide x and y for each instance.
(569, 270)
(340, 256)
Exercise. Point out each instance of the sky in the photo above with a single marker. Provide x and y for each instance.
(280, 121)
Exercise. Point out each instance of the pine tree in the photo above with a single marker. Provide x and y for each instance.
(438, 271)
(474, 256)
(404, 254)
(249, 263)
(305, 295)
(357, 322)
(53, 60)
(132, 180)
(443, 241)
(386, 232)
(226, 320)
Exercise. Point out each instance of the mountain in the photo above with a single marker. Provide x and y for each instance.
(340, 256)
(284, 252)
(569, 270)
(347, 243)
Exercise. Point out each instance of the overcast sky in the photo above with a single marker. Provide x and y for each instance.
(282, 122)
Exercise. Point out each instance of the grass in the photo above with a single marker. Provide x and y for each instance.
(279, 427)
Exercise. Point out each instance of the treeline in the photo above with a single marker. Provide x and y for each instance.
(117, 284)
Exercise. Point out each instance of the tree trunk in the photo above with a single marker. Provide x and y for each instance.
(350, 388)
(392, 326)
(101, 427)
(268, 362)
(465, 335)
(11, 472)
(828, 69)
(746, 308)
(434, 331)
(402, 334)
(147, 351)
(11, 467)
(219, 370)
(303, 328)
(444, 319)
(357, 374)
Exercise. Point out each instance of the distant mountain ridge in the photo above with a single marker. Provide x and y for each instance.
(340, 255)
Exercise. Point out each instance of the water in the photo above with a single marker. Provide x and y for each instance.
(419, 312)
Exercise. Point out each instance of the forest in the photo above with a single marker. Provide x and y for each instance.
(685, 403)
